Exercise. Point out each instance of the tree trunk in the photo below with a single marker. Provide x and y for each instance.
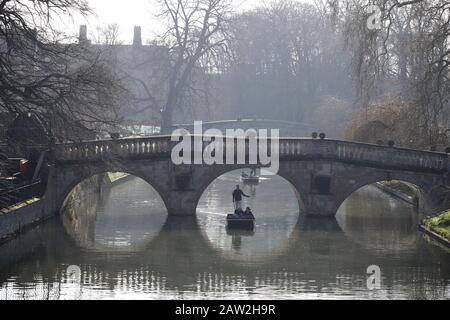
(166, 122)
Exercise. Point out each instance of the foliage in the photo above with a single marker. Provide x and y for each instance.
(408, 57)
(440, 224)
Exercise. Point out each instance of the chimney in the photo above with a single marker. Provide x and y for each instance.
(83, 34)
(137, 40)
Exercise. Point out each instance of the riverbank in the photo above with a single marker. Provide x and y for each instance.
(438, 228)
(399, 190)
(21, 217)
(29, 213)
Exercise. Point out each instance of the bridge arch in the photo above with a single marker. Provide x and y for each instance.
(216, 172)
(66, 186)
(419, 184)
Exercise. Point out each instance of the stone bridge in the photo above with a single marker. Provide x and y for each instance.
(323, 173)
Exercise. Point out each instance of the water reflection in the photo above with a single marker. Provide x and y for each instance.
(388, 227)
(288, 256)
(276, 217)
(236, 237)
(124, 216)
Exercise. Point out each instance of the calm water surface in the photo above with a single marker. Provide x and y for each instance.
(119, 243)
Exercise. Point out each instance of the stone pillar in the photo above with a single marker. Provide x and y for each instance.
(434, 202)
(317, 205)
(50, 200)
(182, 203)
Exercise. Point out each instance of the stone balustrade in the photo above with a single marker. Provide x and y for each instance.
(105, 149)
(289, 149)
(363, 153)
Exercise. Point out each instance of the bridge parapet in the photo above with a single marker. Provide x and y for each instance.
(289, 149)
(105, 149)
(395, 157)
(367, 154)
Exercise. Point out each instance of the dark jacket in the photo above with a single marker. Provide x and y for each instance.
(237, 195)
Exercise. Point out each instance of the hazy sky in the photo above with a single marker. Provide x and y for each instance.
(130, 13)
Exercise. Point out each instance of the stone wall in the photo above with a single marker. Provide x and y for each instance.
(20, 217)
(32, 212)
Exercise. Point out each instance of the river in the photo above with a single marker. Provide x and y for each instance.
(120, 244)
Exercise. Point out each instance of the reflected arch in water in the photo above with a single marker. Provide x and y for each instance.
(273, 201)
(378, 221)
(113, 212)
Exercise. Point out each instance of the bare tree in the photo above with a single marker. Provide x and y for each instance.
(197, 37)
(65, 85)
(108, 35)
(286, 56)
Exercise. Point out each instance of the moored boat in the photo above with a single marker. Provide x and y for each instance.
(249, 179)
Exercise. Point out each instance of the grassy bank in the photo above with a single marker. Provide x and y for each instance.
(440, 224)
